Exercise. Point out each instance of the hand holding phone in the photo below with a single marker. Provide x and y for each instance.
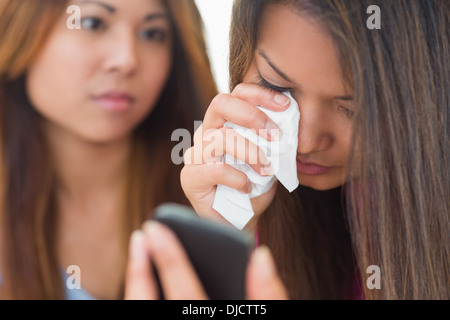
(206, 265)
(219, 253)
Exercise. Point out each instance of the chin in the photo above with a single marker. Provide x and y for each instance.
(105, 138)
(319, 184)
(318, 188)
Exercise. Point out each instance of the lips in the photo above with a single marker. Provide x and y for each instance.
(115, 101)
(311, 168)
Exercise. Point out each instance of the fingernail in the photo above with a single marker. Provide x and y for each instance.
(263, 158)
(153, 230)
(273, 131)
(262, 258)
(137, 244)
(267, 171)
(282, 100)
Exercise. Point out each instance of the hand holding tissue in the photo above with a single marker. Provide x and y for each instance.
(235, 206)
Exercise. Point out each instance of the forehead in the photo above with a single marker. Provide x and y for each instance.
(121, 6)
(302, 49)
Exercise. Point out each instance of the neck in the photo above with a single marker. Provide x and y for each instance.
(88, 174)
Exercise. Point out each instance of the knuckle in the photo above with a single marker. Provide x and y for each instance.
(220, 99)
(241, 183)
(240, 88)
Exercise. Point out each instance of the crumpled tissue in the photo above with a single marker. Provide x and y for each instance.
(235, 206)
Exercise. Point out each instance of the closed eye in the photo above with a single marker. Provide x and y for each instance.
(264, 83)
(347, 112)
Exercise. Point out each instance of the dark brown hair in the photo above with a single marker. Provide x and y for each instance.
(396, 202)
(28, 220)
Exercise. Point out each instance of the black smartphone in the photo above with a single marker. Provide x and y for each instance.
(219, 253)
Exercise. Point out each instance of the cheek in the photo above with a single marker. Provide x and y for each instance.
(340, 149)
(55, 80)
(345, 138)
(154, 75)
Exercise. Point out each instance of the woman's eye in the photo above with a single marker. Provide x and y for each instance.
(263, 82)
(158, 35)
(92, 24)
(347, 112)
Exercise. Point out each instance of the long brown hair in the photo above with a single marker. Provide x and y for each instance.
(396, 210)
(29, 266)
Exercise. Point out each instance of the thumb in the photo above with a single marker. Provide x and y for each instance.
(263, 281)
(139, 281)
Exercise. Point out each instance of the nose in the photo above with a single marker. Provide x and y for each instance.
(122, 55)
(313, 134)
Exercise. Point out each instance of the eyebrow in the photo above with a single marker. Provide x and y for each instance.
(102, 4)
(111, 9)
(154, 16)
(272, 65)
(285, 77)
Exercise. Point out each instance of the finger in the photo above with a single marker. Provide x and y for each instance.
(194, 155)
(222, 141)
(198, 135)
(139, 281)
(227, 141)
(263, 282)
(208, 151)
(178, 277)
(200, 178)
(257, 96)
(226, 107)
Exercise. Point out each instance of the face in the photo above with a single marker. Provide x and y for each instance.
(99, 82)
(293, 53)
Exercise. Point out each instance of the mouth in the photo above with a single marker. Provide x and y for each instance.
(115, 101)
(311, 168)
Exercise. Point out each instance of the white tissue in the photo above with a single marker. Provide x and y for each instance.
(236, 206)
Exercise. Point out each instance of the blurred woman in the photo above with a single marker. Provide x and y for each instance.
(86, 117)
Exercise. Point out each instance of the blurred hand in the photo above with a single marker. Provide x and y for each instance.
(203, 170)
(179, 281)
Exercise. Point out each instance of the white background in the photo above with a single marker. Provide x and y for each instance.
(216, 16)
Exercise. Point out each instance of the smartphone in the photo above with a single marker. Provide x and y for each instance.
(219, 253)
